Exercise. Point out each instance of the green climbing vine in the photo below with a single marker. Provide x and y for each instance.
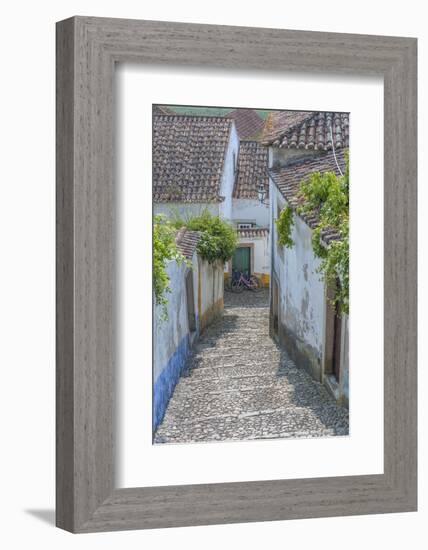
(164, 250)
(327, 195)
(284, 224)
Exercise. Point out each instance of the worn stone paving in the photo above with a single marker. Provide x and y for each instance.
(240, 385)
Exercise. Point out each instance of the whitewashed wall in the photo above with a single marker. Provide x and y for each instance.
(250, 210)
(261, 255)
(301, 292)
(171, 340)
(210, 291)
(229, 173)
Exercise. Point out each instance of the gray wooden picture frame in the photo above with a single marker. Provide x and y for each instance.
(87, 50)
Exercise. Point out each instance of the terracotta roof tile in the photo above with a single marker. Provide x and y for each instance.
(252, 170)
(188, 157)
(248, 123)
(306, 130)
(288, 180)
(187, 241)
(253, 232)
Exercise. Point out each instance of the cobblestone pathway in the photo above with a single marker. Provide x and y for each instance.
(240, 385)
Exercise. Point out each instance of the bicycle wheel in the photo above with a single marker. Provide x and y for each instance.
(237, 286)
(256, 284)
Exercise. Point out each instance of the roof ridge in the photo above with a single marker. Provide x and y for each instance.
(209, 117)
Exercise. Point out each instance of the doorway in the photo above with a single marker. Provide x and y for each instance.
(190, 298)
(333, 334)
(275, 309)
(241, 260)
(337, 342)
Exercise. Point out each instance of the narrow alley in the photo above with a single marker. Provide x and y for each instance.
(240, 385)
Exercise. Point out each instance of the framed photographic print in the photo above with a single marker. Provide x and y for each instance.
(236, 274)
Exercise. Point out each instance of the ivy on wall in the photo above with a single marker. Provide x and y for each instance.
(328, 195)
(284, 225)
(164, 250)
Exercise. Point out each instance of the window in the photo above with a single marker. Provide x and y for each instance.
(246, 225)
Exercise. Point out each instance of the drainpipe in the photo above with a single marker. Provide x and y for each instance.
(271, 232)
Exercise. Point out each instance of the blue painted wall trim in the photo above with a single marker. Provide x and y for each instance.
(167, 380)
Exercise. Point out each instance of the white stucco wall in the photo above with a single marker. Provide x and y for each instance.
(302, 297)
(229, 173)
(250, 210)
(169, 333)
(208, 291)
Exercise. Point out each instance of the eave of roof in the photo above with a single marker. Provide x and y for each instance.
(187, 241)
(253, 232)
(317, 131)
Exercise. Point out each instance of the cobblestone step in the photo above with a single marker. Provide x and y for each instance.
(233, 371)
(253, 399)
(264, 424)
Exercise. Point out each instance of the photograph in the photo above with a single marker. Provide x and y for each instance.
(250, 274)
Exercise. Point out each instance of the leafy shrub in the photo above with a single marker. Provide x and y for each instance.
(218, 238)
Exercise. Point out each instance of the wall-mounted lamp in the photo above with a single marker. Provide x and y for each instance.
(261, 193)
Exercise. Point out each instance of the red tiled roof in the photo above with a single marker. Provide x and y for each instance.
(188, 157)
(306, 130)
(288, 180)
(187, 241)
(253, 232)
(252, 170)
(248, 123)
